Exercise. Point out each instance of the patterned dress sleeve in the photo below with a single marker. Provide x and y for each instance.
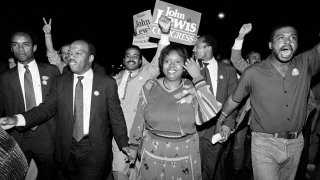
(206, 104)
(136, 132)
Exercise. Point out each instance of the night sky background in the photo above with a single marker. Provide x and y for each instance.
(109, 25)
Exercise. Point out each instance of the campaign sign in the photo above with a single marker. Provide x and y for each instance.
(185, 22)
(141, 25)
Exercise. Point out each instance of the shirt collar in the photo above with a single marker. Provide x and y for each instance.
(134, 73)
(212, 60)
(31, 65)
(86, 75)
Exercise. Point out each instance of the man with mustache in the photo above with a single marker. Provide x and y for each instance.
(278, 88)
(85, 102)
(130, 82)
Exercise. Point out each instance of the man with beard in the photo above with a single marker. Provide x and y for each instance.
(22, 88)
(278, 88)
(130, 82)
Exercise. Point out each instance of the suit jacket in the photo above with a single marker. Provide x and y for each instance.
(105, 106)
(11, 96)
(227, 83)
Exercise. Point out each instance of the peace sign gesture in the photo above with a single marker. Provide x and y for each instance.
(47, 26)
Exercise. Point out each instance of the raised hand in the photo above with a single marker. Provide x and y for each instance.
(47, 26)
(245, 29)
(192, 66)
(8, 122)
(164, 24)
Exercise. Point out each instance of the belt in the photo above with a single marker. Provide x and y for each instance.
(287, 135)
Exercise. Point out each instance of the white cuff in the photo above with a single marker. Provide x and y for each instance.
(21, 120)
(237, 44)
(164, 40)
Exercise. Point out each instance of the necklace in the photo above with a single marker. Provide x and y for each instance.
(164, 84)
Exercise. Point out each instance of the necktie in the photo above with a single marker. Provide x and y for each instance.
(29, 91)
(126, 86)
(206, 74)
(78, 111)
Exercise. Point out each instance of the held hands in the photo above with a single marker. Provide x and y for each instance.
(47, 26)
(245, 29)
(224, 130)
(131, 155)
(165, 24)
(8, 122)
(192, 66)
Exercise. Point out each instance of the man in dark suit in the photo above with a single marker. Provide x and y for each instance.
(83, 141)
(223, 81)
(36, 142)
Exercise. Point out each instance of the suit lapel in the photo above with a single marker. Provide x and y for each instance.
(44, 88)
(119, 77)
(94, 95)
(68, 93)
(219, 82)
(16, 86)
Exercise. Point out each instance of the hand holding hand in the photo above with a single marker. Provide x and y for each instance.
(192, 66)
(47, 26)
(131, 155)
(226, 131)
(8, 122)
(165, 24)
(245, 29)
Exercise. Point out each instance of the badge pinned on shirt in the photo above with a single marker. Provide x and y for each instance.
(295, 72)
(96, 93)
(44, 80)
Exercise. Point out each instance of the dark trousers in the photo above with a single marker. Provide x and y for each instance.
(83, 165)
(212, 163)
(38, 145)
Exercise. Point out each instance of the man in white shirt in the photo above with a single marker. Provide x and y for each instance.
(36, 141)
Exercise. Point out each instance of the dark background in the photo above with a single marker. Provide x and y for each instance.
(108, 24)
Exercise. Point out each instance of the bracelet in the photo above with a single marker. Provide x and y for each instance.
(225, 114)
(222, 119)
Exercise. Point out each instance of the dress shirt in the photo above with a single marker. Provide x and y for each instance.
(213, 70)
(123, 84)
(87, 92)
(33, 67)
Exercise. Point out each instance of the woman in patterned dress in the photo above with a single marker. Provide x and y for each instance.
(164, 132)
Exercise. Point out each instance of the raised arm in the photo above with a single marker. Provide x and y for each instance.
(165, 25)
(236, 58)
(52, 54)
